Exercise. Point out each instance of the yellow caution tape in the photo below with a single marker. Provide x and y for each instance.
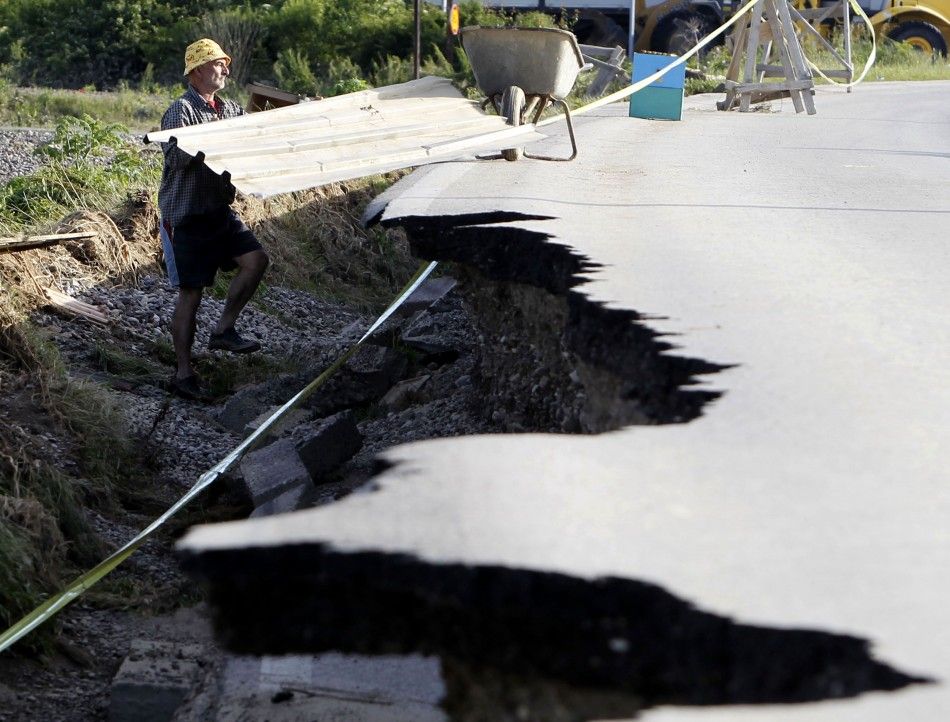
(51, 606)
(871, 58)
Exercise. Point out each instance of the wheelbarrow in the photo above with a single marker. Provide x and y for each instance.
(522, 71)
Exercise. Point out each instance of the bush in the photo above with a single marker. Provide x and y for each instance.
(362, 31)
(293, 73)
(343, 76)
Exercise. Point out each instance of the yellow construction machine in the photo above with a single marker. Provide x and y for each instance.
(924, 24)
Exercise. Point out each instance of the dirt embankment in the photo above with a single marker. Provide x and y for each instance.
(94, 447)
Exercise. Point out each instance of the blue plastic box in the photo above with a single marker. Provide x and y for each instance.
(663, 98)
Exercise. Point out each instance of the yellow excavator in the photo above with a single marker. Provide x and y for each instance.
(924, 24)
(666, 26)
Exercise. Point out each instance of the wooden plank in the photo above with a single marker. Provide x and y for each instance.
(756, 87)
(283, 147)
(424, 89)
(260, 96)
(306, 177)
(795, 54)
(846, 25)
(73, 305)
(11, 245)
(776, 71)
(752, 48)
(608, 71)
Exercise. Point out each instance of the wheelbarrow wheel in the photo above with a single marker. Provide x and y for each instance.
(512, 107)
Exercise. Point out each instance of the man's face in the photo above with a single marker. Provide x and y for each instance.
(211, 77)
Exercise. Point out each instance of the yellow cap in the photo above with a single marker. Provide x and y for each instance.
(201, 52)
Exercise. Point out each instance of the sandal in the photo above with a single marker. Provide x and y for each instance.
(232, 341)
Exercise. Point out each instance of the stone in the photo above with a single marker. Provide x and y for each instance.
(363, 379)
(239, 410)
(405, 393)
(294, 418)
(247, 403)
(438, 336)
(271, 471)
(284, 503)
(429, 293)
(327, 687)
(321, 446)
(153, 681)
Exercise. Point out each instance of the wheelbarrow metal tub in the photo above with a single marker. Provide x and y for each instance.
(540, 61)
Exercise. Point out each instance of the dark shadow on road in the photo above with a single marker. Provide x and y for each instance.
(608, 634)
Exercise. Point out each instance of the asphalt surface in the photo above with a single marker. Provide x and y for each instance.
(811, 253)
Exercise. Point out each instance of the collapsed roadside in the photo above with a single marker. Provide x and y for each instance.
(94, 447)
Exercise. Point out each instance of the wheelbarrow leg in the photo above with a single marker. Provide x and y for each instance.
(570, 130)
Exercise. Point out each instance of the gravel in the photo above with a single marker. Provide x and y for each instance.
(184, 439)
(16, 151)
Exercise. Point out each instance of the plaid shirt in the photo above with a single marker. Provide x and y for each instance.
(188, 187)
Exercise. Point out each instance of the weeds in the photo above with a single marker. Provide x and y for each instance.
(317, 244)
(88, 165)
(114, 360)
(34, 107)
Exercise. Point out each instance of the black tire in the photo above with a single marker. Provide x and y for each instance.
(512, 107)
(680, 32)
(924, 37)
(595, 28)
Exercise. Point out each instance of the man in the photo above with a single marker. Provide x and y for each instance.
(199, 230)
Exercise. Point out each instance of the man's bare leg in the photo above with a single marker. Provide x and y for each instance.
(183, 328)
(251, 267)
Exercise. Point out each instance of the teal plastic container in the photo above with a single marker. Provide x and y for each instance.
(663, 98)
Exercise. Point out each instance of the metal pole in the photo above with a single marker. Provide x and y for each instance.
(449, 37)
(418, 40)
(633, 19)
(846, 27)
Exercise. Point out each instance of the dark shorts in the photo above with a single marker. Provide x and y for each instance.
(201, 244)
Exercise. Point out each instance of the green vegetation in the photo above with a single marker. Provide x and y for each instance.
(44, 107)
(88, 164)
(102, 44)
(45, 533)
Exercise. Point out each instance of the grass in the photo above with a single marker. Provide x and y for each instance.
(43, 107)
(142, 108)
(895, 61)
(114, 360)
(223, 374)
(316, 244)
